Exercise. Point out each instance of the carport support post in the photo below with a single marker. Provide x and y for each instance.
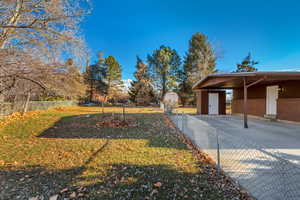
(245, 104)
(246, 98)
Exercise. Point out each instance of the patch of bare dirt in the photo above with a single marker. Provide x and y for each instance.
(78, 125)
(115, 122)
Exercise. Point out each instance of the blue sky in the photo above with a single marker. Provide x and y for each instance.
(269, 29)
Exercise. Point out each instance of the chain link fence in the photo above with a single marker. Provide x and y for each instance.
(260, 170)
(9, 108)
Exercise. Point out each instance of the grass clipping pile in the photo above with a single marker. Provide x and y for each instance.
(116, 122)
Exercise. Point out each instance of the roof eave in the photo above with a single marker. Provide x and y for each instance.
(198, 82)
(244, 74)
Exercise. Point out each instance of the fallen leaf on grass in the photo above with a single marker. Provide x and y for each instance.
(2, 162)
(158, 184)
(54, 197)
(81, 189)
(34, 198)
(64, 190)
(153, 192)
(80, 195)
(73, 195)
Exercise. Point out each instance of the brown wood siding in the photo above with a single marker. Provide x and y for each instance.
(253, 93)
(256, 107)
(204, 106)
(288, 109)
(202, 102)
(288, 104)
(256, 101)
(198, 101)
(222, 103)
(291, 89)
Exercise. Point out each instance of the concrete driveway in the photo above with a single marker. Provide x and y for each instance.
(264, 159)
(274, 136)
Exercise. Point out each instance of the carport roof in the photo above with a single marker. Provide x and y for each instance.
(236, 80)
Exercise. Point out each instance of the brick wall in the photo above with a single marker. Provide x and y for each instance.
(288, 109)
(256, 107)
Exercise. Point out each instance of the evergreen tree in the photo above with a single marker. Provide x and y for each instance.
(185, 89)
(95, 77)
(200, 61)
(164, 63)
(101, 71)
(113, 73)
(113, 77)
(141, 91)
(247, 65)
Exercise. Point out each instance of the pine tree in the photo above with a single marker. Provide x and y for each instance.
(185, 89)
(141, 91)
(164, 63)
(101, 70)
(200, 59)
(113, 77)
(247, 65)
(95, 77)
(113, 73)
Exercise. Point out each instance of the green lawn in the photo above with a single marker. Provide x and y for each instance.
(67, 149)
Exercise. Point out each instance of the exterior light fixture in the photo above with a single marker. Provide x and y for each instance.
(281, 89)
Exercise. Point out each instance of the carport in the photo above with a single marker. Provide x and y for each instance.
(271, 93)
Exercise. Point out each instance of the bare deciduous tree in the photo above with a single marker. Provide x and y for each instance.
(35, 36)
(24, 73)
(40, 22)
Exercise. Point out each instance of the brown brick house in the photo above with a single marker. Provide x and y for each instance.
(267, 94)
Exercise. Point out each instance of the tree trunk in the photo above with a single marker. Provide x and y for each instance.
(164, 87)
(91, 92)
(27, 102)
(183, 101)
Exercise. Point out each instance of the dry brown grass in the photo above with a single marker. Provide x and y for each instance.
(44, 152)
(186, 110)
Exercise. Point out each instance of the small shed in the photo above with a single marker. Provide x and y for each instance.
(211, 102)
(273, 95)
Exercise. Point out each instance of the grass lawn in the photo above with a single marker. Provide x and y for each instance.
(68, 152)
(193, 110)
(188, 110)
